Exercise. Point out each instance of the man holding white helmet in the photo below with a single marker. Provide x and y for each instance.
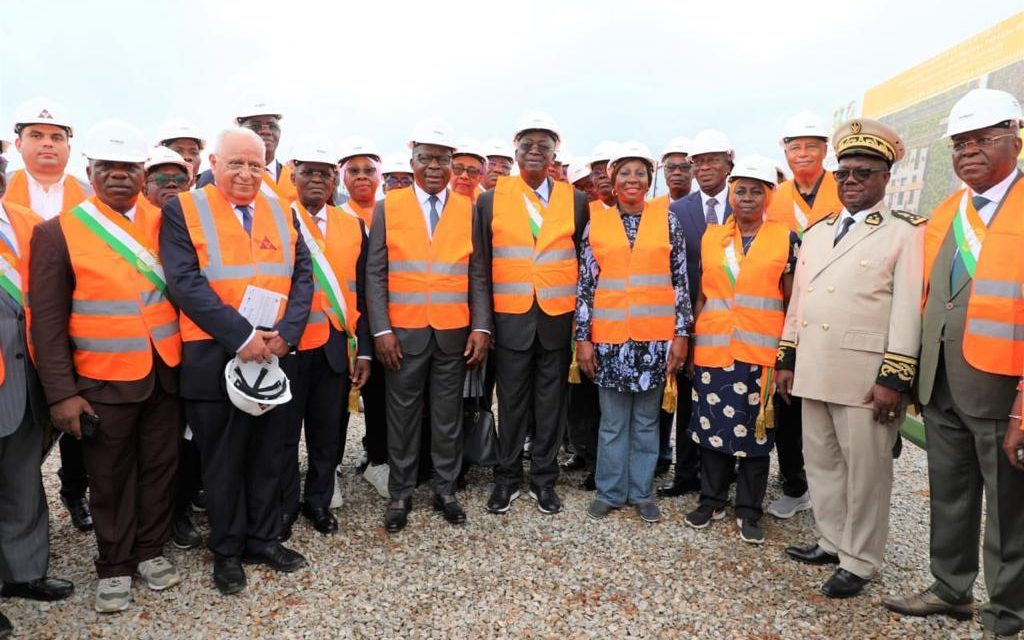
(107, 348)
(182, 137)
(243, 282)
(972, 359)
(429, 307)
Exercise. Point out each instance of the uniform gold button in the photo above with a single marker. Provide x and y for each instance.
(810, 289)
(863, 263)
(804, 324)
(949, 305)
(830, 289)
(824, 327)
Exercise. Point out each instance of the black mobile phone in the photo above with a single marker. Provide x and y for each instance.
(90, 424)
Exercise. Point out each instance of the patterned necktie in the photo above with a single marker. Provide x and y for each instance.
(712, 215)
(847, 223)
(959, 272)
(246, 217)
(434, 216)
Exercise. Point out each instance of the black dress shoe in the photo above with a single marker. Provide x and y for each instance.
(278, 557)
(184, 534)
(397, 515)
(5, 626)
(78, 508)
(844, 584)
(812, 555)
(589, 483)
(575, 462)
(323, 520)
(228, 575)
(450, 508)
(42, 589)
(679, 487)
(287, 521)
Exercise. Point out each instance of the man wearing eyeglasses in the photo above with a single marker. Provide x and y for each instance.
(849, 350)
(972, 358)
(499, 162)
(167, 175)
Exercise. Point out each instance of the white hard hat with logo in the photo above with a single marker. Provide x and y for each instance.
(603, 151)
(432, 131)
(259, 106)
(983, 108)
(679, 144)
(756, 167)
(165, 155)
(805, 125)
(711, 141)
(579, 168)
(396, 163)
(537, 121)
(499, 149)
(471, 147)
(358, 146)
(41, 111)
(115, 141)
(629, 150)
(313, 148)
(176, 129)
(256, 387)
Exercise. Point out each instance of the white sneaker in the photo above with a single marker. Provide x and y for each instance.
(159, 573)
(377, 475)
(786, 507)
(337, 499)
(113, 594)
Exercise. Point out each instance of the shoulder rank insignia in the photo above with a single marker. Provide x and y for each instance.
(830, 220)
(873, 219)
(906, 216)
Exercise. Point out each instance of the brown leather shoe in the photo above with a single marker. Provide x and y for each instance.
(928, 603)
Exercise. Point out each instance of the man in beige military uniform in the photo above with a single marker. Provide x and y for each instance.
(849, 349)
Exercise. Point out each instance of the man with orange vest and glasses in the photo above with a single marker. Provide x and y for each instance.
(531, 227)
(972, 359)
(244, 285)
(107, 348)
(44, 134)
(430, 312)
(330, 361)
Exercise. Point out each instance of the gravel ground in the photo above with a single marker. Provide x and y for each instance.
(521, 575)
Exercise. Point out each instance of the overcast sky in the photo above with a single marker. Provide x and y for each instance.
(616, 70)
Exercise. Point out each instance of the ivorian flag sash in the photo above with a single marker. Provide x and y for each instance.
(123, 242)
(969, 230)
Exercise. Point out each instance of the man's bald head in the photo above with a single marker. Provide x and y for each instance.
(237, 163)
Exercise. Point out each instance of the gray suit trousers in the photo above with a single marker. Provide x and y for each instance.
(24, 521)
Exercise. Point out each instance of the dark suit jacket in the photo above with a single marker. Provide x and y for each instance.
(206, 177)
(689, 212)
(336, 349)
(415, 341)
(517, 330)
(203, 361)
(52, 283)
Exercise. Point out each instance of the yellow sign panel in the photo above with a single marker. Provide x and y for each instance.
(988, 50)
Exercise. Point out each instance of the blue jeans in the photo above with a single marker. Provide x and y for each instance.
(627, 448)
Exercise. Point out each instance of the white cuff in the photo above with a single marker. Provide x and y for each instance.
(247, 341)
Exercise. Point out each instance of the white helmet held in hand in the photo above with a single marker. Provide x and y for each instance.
(256, 387)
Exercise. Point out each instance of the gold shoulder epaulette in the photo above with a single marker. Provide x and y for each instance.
(906, 216)
(830, 219)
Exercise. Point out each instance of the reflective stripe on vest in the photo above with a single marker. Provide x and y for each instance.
(428, 280)
(23, 221)
(634, 298)
(522, 268)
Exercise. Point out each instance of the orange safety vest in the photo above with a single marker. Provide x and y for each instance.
(341, 248)
(787, 200)
(350, 207)
(284, 188)
(741, 322)
(117, 315)
(635, 298)
(228, 258)
(428, 280)
(23, 221)
(523, 267)
(994, 332)
(75, 190)
(660, 201)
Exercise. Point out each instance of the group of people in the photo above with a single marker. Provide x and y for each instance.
(181, 328)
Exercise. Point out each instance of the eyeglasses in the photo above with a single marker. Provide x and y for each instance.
(543, 147)
(259, 126)
(683, 166)
(502, 164)
(842, 175)
(981, 143)
(427, 160)
(471, 172)
(250, 167)
(394, 181)
(355, 172)
(161, 180)
(322, 174)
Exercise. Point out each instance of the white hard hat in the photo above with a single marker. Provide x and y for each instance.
(358, 146)
(177, 128)
(578, 169)
(313, 148)
(471, 147)
(711, 141)
(756, 167)
(41, 111)
(603, 151)
(630, 149)
(432, 131)
(396, 163)
(256, 387)
(495, 147)
(260, 106)
(805, 125)
(537, 120)
(562, 156)
(166, 155)
(115, 141)
(981, 108)
(679, 144)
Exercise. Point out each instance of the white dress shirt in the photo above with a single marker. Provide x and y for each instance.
(544, 191)
(720, 199)
(424, 199)
(8, 230)
(46, 201)
(858, 217)
(995, 195)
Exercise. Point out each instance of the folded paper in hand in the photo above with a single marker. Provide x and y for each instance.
(261, 306)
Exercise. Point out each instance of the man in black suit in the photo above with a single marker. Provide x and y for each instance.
(712, 156)
(430, 311)
(216, 244)
(531, 227)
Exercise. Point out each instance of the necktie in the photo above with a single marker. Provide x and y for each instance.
(321, 224)
(959, 272)
(712, 216)
(434, 216)
(847, 223)
(246, 217)
(543, 200)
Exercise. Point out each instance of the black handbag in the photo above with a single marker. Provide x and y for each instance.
(479, 431)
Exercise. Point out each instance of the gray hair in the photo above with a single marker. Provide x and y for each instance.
(218, 144)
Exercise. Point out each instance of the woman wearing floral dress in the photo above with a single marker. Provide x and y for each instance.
(632, 314)
(747, 275)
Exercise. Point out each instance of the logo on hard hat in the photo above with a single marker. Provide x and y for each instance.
(45, 113)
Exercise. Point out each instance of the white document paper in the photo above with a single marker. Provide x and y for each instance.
(260, 306)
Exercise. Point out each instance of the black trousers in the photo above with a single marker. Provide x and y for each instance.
(375, 441)
(688, 452)
(584, 419)
(72, 474)
(190, 472)
(789, 434)
(715, 474)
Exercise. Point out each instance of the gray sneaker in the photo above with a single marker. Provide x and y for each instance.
(648, 511)
(113, 594)
(158, 573)
(786, 507)
(599, 509)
